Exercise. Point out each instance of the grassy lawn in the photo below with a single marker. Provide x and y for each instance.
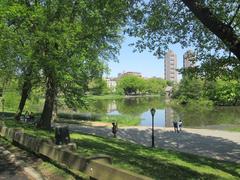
(109, 96)
(155, 163)
(236, 129)
(79, 118)
(122, 120)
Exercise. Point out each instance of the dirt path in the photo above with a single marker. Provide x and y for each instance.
(9, 171)
(216, 144)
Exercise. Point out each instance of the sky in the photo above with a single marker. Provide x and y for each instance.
(145, 63)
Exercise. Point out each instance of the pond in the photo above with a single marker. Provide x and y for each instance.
(192, 116)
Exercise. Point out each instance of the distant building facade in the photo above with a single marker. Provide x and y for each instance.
(129, 73)
(111, 83)
(170, 66)
(188, 59)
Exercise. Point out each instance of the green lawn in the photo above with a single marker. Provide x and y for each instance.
(109, 96)
(236, 129)
(155, 163)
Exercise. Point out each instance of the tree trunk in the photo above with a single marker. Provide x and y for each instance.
(223, 31)
(55, 110)
(46, 116)
(26, 89)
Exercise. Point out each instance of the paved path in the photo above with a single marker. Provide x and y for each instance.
(216, 144)
(9, 171)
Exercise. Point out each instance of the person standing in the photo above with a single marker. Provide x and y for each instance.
(180, 125)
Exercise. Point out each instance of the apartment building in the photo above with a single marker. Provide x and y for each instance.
(170, 66)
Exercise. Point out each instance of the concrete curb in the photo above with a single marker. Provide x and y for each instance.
(28, 170)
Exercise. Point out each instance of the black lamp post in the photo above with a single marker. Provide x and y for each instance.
(153, 113)
(3, 104)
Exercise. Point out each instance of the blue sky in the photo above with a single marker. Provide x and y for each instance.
(145, 63)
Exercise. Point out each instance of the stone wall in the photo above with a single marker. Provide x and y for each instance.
(98, 166)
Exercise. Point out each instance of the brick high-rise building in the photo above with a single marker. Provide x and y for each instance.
(170, 66)
(188, 59)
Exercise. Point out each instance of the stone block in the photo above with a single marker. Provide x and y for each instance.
(49, 151)
(33, 143)
(72, 160)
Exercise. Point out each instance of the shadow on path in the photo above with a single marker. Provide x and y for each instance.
(208, 146)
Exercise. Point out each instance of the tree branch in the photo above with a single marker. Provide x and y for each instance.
(216, 26)
(234, 16)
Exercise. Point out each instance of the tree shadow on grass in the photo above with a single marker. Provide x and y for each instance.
(131, 157)
(207, 146)
(212, 147)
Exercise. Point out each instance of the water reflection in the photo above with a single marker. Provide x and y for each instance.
(159, 119)
(192, 116)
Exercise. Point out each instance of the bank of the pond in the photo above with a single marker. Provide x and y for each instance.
(200, 102)
(155, 163)
(115, 96)
(78, 118)
(109, 96)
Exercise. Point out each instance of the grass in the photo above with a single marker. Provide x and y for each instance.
(52, 172)
(76, 118)
(236, 129)
(109, 96)
(124, 120)
(29, 129)
(155, 163)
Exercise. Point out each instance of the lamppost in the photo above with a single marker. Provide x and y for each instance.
(3, 104)
(153, 113)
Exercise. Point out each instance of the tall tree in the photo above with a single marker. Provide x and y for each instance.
(68, 41)
(77, 34)
(17, 36)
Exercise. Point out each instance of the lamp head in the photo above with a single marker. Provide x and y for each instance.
(152, 111)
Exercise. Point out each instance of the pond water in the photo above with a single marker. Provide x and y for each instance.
(192, 116)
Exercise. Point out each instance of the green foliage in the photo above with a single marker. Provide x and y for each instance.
(189, 88)
(62, 44)
(98, 87)
(131, 84)
(160, 23)
(210, 27)
(155, 86)
(220, 91)
(223, 92)
(11, 96)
